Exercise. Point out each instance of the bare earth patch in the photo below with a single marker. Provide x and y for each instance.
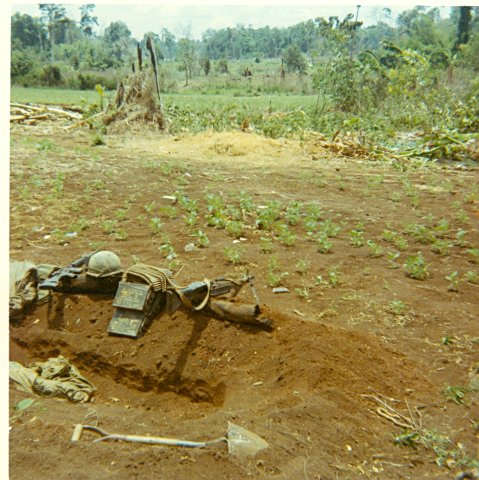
(355, 327)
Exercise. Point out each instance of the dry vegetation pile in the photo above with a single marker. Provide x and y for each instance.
(136, 102)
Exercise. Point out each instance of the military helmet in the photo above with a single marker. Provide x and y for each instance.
(104, 264)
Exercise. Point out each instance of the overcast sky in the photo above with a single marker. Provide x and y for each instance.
(179, 18)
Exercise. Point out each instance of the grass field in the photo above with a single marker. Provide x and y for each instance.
(197, 102)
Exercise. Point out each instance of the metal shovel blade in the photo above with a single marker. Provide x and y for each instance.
(242, 442)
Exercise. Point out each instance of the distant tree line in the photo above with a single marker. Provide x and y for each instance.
(44, 44)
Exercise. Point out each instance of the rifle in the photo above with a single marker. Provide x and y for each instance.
(74, 279)
(138, 303)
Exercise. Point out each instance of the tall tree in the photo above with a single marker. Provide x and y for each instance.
(27, 31)
(168, 43)
(52, 15)
(463, 27)
(87, 20)
(118, 36)
(187, 56)
(294, 59)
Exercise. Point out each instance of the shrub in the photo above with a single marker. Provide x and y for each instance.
(88, 81)
(22, 63)
(51, 75)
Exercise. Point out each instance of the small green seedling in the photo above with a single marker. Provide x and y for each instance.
(233, 255)
(149, 207)
(462, 216)
(421, 233)
(395, 197)
(156, 225)
(98, 245)
(400, 243)
(81, 224)
(168, 211)
(313, 212)
(324, 245)
(234, 228)
(58, 184)
(397, 307)
(302, 292)
(302, 266)
(121, 234)
(293, 213)
(109, 226)
(392, 258)
(389, 236)
(472, 277)
(329, 228)
(473, 255)
(201, 239)
(275, 275)
(246, 202)
(357, 238)
(266, 217)
(121, 214)
(453, 279)
(460, 241)
(375, 250)
(441, 247)
(167, 250)
(442, 227)
(416, 267)
(333, 279)
(286, 236)
(266, 245)
(455, 394)
(191, 218)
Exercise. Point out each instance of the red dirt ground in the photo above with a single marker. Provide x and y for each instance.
(307, 387)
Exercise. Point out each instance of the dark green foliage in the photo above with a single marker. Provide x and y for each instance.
(463, 26)
(223, 65)
(27, 32)
(51, 75)
(294, 59)
(206, 65)
(88, 81)
(23, 63)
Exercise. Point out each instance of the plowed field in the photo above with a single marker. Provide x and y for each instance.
(369, 372)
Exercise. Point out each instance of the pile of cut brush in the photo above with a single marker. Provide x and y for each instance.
(138, 96)
(30, 114)
(136, 101)
(437, 145)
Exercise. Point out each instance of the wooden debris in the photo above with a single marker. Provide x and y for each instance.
(84, 121)
(30, 114)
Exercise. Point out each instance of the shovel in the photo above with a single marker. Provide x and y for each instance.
(241, 442)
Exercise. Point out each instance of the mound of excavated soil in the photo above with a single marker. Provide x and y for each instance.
(189, 374)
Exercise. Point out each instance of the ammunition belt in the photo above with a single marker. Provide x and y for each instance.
(157, 278)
